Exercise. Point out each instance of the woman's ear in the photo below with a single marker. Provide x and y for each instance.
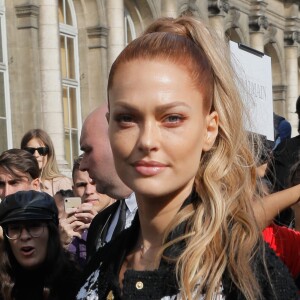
(212, 127)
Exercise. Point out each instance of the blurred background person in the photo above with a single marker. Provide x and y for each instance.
(284, 156)
(98, 161)
(74, 226)
(85, 188)
(282, 130)
(38, 143)
(33, 263)
(19, 170)
(283, 240)
(97, 158)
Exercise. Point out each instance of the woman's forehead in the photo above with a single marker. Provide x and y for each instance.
(36, 140)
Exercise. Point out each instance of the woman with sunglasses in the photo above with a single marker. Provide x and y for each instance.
(33, 263)
(39, 144)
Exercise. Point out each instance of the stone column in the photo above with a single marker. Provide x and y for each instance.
(291, 61)
(169, 8)
(217, 10)
(257, 24)
(279, 96)
(97, 60)
(24, 72)
(51, 89)
(116, 34)
(257, 41)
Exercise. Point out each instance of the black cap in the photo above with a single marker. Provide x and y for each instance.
(28, 205)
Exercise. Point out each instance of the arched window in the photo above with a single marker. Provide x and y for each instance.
(5, 111)
(70, 78)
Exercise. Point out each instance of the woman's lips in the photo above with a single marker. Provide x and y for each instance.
(27, 251)
(150, 168)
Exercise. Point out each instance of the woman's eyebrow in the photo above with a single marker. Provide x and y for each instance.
(164, 107)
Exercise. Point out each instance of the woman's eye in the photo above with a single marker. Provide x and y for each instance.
(14, 227)
(174, 119)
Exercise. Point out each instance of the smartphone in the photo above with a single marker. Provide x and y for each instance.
(71, 202)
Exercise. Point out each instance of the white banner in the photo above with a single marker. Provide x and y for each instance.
(255, 73)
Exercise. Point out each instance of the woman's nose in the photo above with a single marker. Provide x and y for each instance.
(149, 137)
(36, 153)
(24, 233)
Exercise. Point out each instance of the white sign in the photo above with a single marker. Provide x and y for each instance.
(255, 74)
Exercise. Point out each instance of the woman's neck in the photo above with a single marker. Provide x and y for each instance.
(156, 214)
(29, 274)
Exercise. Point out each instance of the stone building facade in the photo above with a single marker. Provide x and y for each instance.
(55, 56)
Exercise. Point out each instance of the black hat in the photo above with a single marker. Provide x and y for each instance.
(28, 205)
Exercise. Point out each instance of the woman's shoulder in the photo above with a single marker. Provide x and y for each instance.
(273, 276)
(52, 186)
(62, 183)
(283, 284)
(62, 179)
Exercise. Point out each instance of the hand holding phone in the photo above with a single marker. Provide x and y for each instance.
(71, 202)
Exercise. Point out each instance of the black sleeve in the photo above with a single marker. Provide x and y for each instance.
(283, 285)
(272, 275)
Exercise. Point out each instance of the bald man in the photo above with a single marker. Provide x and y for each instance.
(98, 161)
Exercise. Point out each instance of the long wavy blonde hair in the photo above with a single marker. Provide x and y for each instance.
(222, 232)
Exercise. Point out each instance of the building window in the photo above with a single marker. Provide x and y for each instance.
(5, 111)
(70, 78)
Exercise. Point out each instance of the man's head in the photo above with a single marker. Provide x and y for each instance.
(97, 159)
(19, 171)
(85, 188)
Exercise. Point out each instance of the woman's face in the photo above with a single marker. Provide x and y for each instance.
(30, 252)
(158, 127)
(36, 143)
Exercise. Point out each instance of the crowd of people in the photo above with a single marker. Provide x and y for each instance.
(178, 201)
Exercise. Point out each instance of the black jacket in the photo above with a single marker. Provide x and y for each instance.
(162, 282)
(98, 229)
(30, 284)
(284, 157)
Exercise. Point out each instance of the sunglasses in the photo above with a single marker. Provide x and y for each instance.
(41, 150)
